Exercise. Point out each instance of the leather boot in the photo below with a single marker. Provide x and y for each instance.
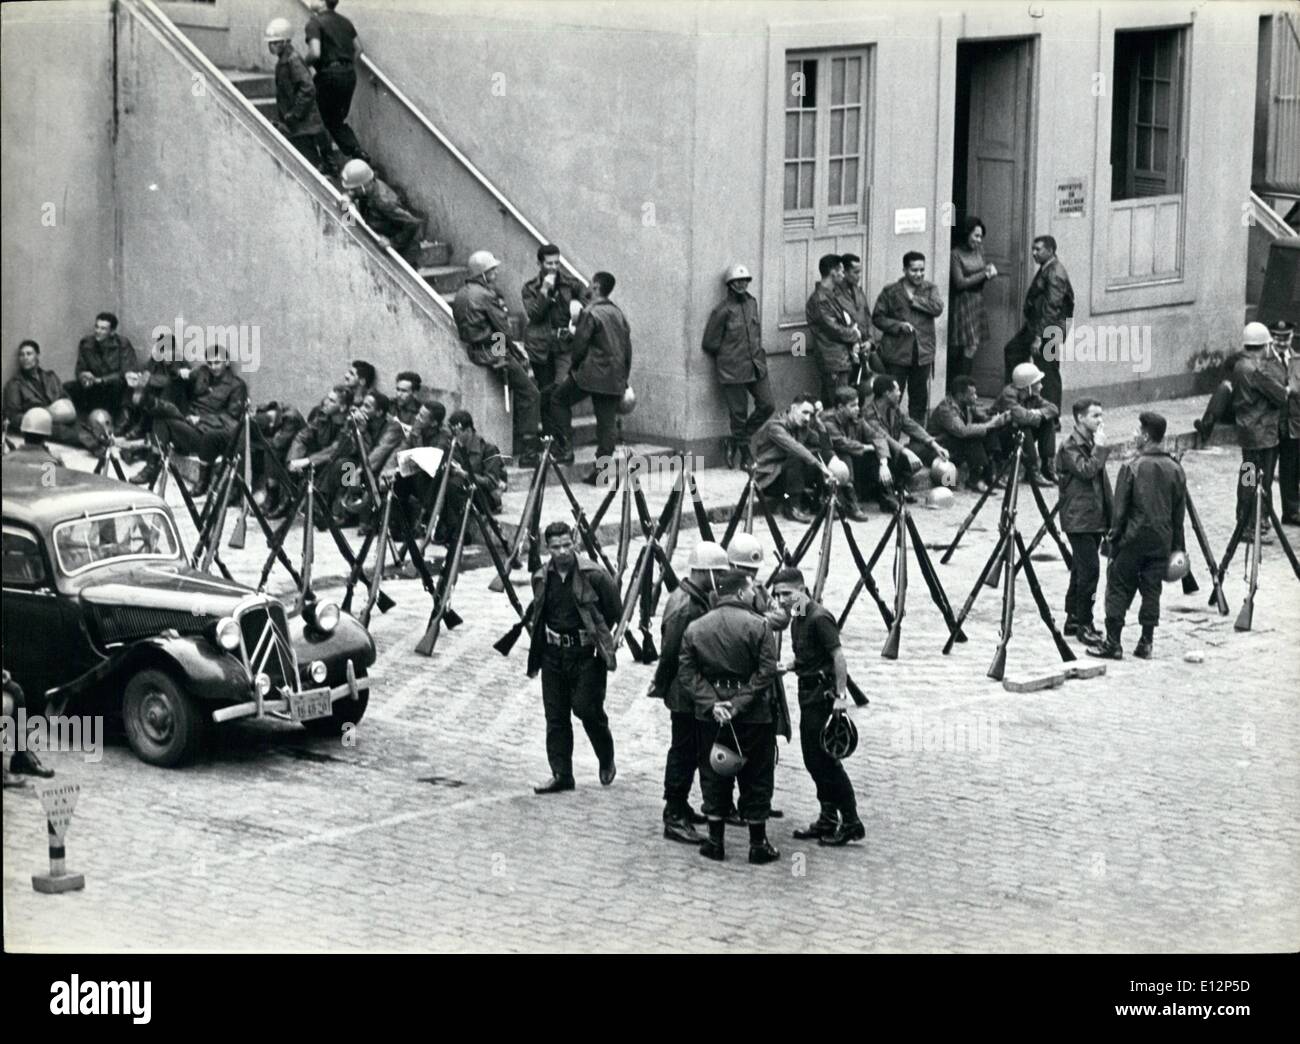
(1089, 635)
(1144, 646)
(844, 834)
(848, 506)
(148, 475)
(678, 828)
(26, 763)
(825, 824)
(760, 848)
(713, 847)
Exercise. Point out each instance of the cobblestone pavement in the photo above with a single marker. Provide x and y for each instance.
(1154, 809)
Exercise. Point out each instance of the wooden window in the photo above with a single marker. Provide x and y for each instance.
(1146, 114)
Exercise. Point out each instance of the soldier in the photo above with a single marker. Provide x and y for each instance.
(575, 606)
(687, 604)
(550, 298)
(314, 443)
(1289, 435)
(295, 100)
(733, 336)
(602, 362)
(842, 424)
(886, 425)
(857, 306)
(36, 427)
(476, 457)
(1259, 399)
(1085, 509)
(104, 358)
(786, 460)
(968, 432)
(483, 324)
(416, 489)
(358, 379)
(34, 386)
(728, 664)
(382, 210)
(333, 47)
(835, 338)
(279, 424)
(1150, 499)
(1036, 417)
(823, 677)
(905, 312)
(1049, 307)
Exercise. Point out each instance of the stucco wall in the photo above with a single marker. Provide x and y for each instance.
(56, 182)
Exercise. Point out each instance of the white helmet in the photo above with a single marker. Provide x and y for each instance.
(710, 556)
(736, 271)
(278, 29)
(744, 551)
(943, 473)
(940, 497)
(1256, 335)
(357, 174)
(482, 261)
(1026, 375)
(37, 421)
(840, 470)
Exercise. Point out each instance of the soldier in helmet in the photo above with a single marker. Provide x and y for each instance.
(1036, 417)
(1259, 399)
(484, 325)
(823, 690)
(295, 100)
(733, 336)
(37, 427)
(687, 604)
(381, 208)
(728, 665)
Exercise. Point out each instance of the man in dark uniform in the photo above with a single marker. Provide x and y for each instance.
(857, 305)
(345, 471)
(314, 444)
(295, 100)
(967, 432)
(279, 424)
(602, 363)
(1259, 399)
(549, 300)
(886, 425)
(823, 690)
(402, 410)
(104, 358)
(1034, 415)
(733, 336)
(476, 457)
(382, 209)
(358, 379)
(785, 458)
(728, 665)
(575, 607)
(484, 325)
(35, 428)
(333, 48)
(1150, 500)
(1049, 307)
(835, 338)
(34, 386)
(415, 490)
(1085, 507)
(842, 425)
(687, 604)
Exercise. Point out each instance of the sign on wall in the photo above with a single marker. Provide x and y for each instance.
(909, 219)
(1071, 197)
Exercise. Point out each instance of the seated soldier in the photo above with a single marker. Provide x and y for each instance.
(381, 208)
(886, 425)
(36, 428)
(104, 358)
(403, 407)
(314, 444)
(476, 460)
(1033, 415)
(786, 463)
(32, 386)
(967, 432)
(416, 489)
(342, 484)
(279, 424)
(842, 425)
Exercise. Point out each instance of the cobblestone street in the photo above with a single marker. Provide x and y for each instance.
(1154, 809)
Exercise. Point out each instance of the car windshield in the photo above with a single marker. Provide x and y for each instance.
(85, 542)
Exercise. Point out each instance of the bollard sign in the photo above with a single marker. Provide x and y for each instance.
(59, 800)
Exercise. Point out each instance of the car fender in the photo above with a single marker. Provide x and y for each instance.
(349, 640)
(206, 672)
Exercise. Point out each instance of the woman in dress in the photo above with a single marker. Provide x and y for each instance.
(969, 273)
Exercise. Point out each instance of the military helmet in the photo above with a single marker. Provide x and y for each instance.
(745, 552)
(482, 261)
(940, 497)
(628, 402)
(1178, 567)
(736, 271)
(943, 472)
(278, 29)
(62, 411)
(356, 174)
(840, 470)
(709, 555)
(1026, 375)
(1256, 335)
(37, 421)
(839, 736)
(100, 424)
(723, 759)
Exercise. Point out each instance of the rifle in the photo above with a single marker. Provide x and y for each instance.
(701, 515)
(527, 519)
(864, 578)
(999, 665)
(1247, 615)
(1044, 610)
(187, 497)
(638, 577)
(506, 642)
(1217, 598)
(670, 545)
(379, 562)
(586, 530)
(218, 522)
(969, 520)
(447, 583)
(240, 532)
(890, 651)
(308, 539)
(435, 516)
(824, 561)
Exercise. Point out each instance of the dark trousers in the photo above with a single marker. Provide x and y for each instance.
(737, 396)
(1084, 574)
(403, 232)
(915, 383)
(794, 480)
(959, 365)
(573, 683)
(1257, 465)
(525, 409)
(186, 439)
(830, 380)
(1138, 565)
(1288, 456)
(316, 149)
(550, 373)
(683, 759)
(1040, 444)
(605, 407)
(334, 88)
(975, 453)
(756, 779)
(899, 467)
(834, 788)
(110, 397)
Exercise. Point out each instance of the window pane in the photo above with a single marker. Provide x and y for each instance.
(850, 181)
(1164, 52)
(1160, 151)
(1162, 104)
(791, 135)
(852, 125)
(1142, 161)
(853, 80)
(836, 173)
(837, 132)
(807, 135)
(805, 185)
(837, 81)
(792, 186)
(810, 83)
(793, 85)
(1145, 100)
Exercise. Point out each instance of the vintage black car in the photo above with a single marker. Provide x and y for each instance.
(103, 611)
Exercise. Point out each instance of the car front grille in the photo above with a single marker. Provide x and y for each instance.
(120, 623)
(265, 628)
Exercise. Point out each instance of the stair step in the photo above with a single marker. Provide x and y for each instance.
(252, 85)
(446, 279)
(267, 107)
(584, 458)
(434, 255)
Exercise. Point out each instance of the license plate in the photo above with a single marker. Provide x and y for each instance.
(305, 706)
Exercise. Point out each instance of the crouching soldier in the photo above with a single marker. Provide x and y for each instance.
(823, 690)
(1036, 417)
(381, 208)
(968, 432)
(279, 424)
(728, 665)
(685, 605)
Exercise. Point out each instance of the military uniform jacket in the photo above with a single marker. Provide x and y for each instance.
(1049, 301)
(295, 96)
(685, 605)
(886, 425)
(393, 434)
(480, 312)
(957, 420)
(602, 349)
(1150, 501)
(730, 642)
(217, 401)
(893, 308)
(1291, 423)
(1258, 398)
(547, 333)
(112, 360)
(846, 436)
(316, 441)
(1022, 407)
(598, 607)
(734, 337)
(1085, 497)
(27, 390)
(775, 441)
(831, 329)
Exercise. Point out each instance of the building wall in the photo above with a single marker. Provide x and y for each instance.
(56, 177)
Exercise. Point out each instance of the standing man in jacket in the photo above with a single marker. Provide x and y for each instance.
(549, 302)
(967, 432)
(733, 336)
(728, 665)
(295, 100)
(1147, 526)
(484, 326)
(602, 361)
(104, 358)
(1259, 399)
(1049, 307)
(858, 308)
(334, 49)
(687, 604)
(786, 460)
(905, 311)
(1085, 509)
(575, 608)
(835, 337)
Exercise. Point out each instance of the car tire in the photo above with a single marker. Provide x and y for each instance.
(347, 711)
(164, 723)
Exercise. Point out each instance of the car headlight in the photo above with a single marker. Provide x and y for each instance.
(263, 683)
(227, 634)
(327, 616)
(318, 671)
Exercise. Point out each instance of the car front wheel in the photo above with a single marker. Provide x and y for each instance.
(164, 724)
(347, 711)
